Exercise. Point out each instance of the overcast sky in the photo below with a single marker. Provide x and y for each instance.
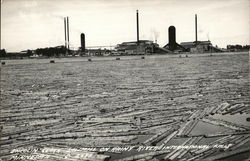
(31, 24)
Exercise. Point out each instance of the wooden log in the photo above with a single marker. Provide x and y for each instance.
(183, 128)
(106, 120)
(168, 156)
(158, 137)
(157, 124)
(223, 107)
(169, 137)
(224, 123)
(246, 110)
(242, 142)
(140, 156)
(227, 154)
(190, 128)
(232, 108)
(235, 140)
(134, 113)
(239, 110)
(185, 151)
(24, 143)
(181, 152)
(195, 115)
(227, 133)
(202, 155)
(199, 151)
(220, 107)
(74, 154)
(211, 109)
(186, 128)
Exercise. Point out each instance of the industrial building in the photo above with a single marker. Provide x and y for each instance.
(137, 47)
(140, 46)
(192, 47)
(200, 47)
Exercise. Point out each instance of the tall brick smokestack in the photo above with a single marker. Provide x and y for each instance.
(137, 25)
(196, 37)
(68, 30)
(65, 32)
(83, 42)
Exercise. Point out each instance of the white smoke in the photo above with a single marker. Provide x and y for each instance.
(155, 34)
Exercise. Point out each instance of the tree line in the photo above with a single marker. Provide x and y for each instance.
(46, 52)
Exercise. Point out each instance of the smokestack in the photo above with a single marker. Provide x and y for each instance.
(68, 30)
(172, 38)
(83, 42)
(65, 33)
(196, 29)
(137, 25)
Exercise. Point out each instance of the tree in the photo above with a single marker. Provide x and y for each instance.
(3, 53)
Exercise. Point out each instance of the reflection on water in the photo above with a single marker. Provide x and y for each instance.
(203, 128)
(240, 119)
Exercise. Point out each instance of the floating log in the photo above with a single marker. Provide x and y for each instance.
(224, 123)
(182, 152)
(158, 137)
(195, 115)
(222, 107)
(227, 154)
(232, 108)
(241, 142)
(59, 153)
(227, 133)
(169, 137)
(239, 110)
(199, 151)
(185, 151)
(188, 129)
(172, 154)
(106, 120)
(141, 156)
(157, 124)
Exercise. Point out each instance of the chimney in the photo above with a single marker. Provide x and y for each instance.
(196, 39)
(172, 38)
(65, 33)
(83, 42)
(68, 30)
(137, 25)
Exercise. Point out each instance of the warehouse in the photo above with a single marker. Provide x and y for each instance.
(200, 47)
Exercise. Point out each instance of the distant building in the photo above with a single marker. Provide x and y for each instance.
(98, 52)
(200, 47)
(235, 48)
(134, 47)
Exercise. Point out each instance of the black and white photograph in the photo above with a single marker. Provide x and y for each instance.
(124, 80)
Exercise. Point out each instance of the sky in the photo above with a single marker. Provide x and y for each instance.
(31, 24)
